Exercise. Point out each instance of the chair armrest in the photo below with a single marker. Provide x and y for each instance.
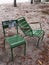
(36, 23)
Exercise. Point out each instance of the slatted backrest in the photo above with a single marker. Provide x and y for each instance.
(8, 24)
(22, 23)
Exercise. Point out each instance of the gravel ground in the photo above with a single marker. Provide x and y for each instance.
(32, 13)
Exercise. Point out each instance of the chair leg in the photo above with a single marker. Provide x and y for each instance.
(4, 43)
(11, 54)
(42, 37)
(17, 28)
(38, 42)
(25, 49)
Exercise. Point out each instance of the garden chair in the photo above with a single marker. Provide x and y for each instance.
(28, 31)
(13, 41)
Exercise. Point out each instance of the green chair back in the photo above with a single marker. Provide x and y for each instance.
(9, 24)
(22, 23)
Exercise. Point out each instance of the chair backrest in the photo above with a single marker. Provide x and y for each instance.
(24, 26)
(8, 24)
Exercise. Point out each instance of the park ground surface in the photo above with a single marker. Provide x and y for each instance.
(32, 13)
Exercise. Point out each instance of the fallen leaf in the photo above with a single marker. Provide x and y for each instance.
(47, 35)
(40, 62)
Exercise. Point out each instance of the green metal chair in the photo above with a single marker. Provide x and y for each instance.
(28, 31)
(13, 41)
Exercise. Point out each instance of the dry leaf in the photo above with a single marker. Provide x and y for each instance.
(47, 35)
(40, 62)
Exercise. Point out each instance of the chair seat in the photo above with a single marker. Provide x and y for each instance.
(15, 41)
(38, 33)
